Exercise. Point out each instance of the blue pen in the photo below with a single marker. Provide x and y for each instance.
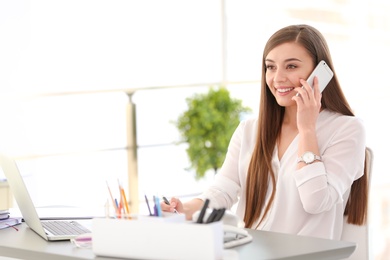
(158, 206)
(117, 209)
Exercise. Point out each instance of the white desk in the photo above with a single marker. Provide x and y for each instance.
(25, 244)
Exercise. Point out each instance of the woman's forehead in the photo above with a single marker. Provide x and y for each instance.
(286, 52)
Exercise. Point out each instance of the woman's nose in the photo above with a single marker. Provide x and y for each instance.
(279, 76)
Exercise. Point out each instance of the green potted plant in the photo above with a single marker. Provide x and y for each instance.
(207, 126)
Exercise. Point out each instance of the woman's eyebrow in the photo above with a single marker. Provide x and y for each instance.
(286, 60)
(293, 59)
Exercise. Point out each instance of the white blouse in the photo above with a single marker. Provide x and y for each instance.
(309, 201)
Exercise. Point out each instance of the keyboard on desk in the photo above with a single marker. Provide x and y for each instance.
(60, 228)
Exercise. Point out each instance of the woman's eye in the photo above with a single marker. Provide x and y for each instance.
(269, 67)
(291, 66)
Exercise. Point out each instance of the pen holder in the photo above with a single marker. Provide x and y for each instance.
(161, 240)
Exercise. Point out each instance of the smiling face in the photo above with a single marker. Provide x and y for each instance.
(286, 64)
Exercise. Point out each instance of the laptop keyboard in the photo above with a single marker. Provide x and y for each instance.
(65, 227)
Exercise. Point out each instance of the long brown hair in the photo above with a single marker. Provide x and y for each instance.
(260, 173)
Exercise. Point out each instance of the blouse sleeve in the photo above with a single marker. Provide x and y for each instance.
(226, 186)
(322, 185)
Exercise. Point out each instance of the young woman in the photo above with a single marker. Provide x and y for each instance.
(275, 187)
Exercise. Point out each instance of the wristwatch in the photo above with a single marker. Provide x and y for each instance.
(309, 157)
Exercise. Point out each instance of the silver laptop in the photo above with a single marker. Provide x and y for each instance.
(51, 230)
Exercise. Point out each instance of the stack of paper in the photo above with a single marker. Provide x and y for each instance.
(4, 214)
(7, 221)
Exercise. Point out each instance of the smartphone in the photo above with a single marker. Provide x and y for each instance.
(323, 73)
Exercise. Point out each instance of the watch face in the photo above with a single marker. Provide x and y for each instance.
(308, 157)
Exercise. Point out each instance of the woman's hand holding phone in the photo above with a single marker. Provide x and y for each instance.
(308, 105)
(308, 97)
